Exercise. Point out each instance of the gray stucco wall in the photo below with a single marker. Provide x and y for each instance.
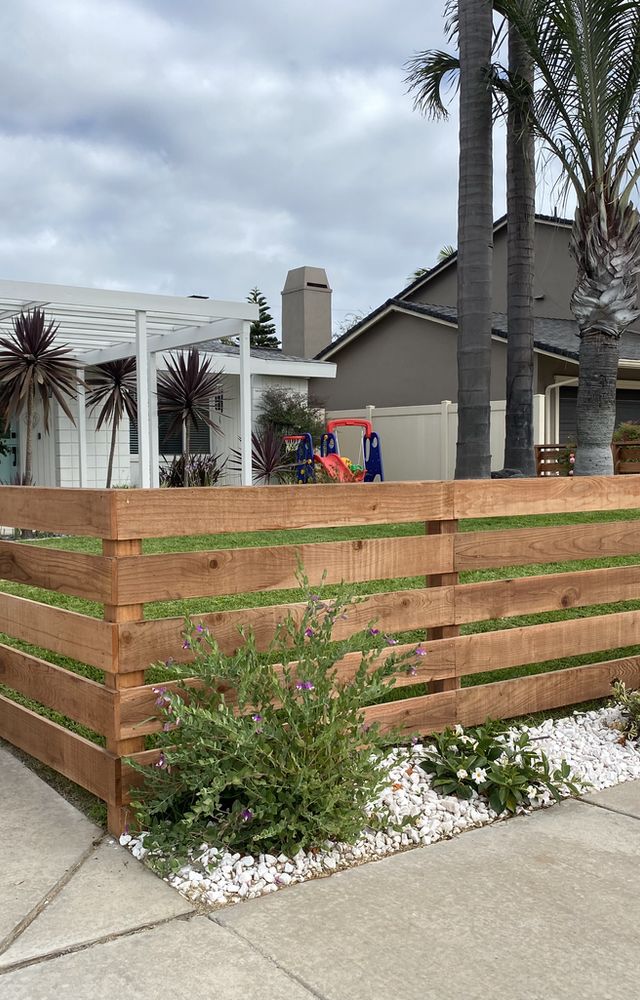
(401, 361)
(555, 274)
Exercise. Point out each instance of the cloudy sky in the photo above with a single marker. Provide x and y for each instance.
(206, 146)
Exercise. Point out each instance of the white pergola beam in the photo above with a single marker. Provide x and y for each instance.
(103, 298)
(144, 422)
(154, 432)
(188, 337)
(246, 465)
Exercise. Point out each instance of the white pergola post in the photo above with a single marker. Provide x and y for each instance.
(245, 406)
(153, 420)
(82, 429)
(142, 379)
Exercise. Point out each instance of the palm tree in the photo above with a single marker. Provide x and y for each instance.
(185, 391)
(585, 107)
(33, 366)
(473, 22)
(521, 218)
(112, 386)
(430, 74)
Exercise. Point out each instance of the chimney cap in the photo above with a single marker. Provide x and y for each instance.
(299, 278)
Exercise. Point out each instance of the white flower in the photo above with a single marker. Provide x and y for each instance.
(531, 791)
(462, 774)
(466, 739)
(479, 775)
(503, 759)
(459, 731)
(453, 748)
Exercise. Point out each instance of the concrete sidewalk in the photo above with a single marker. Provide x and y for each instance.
(538, 908)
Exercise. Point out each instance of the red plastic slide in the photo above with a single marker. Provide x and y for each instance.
(336, 467)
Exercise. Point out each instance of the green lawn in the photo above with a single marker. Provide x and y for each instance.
(213, 541)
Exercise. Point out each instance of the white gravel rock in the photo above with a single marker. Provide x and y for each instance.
(588, 742)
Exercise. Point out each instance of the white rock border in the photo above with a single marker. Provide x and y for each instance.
(587, 741)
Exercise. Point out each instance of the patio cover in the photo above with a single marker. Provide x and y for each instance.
(103, 325)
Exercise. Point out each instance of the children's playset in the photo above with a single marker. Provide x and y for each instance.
(337, 466)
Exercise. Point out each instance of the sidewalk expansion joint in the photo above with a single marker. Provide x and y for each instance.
(85, 945)
(611, 809)
(269, 958)
(49, 896)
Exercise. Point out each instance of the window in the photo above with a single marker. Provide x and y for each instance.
(171, 444)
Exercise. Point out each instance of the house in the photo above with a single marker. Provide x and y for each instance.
(102, 325)
(404, 352)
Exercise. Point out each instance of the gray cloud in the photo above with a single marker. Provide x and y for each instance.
(190, 146)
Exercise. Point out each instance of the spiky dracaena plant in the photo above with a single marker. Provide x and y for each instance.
(185, 392)
(269, 461)
(33, 366)
(112, 386)
(585, 107)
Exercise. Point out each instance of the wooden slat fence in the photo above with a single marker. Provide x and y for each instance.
(109, 695)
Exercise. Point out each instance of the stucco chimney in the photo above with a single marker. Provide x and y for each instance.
(306, 312)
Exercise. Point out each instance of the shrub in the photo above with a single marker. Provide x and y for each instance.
(628, 430)
(202, 470)
(291, 763)
(629, 702)
(270, 462)
(497, 762)
(291, 412)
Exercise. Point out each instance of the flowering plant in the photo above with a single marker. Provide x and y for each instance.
(498, 762)
(629, 703)
(271, 750)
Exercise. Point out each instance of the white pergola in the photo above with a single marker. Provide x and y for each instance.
(104, 325)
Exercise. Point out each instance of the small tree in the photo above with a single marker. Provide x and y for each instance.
(291, 412)
(32, 366)
(263, 331)
(113, 386)
(185, 391)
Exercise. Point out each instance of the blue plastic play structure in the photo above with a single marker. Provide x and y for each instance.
(337, 466)
(305, 467)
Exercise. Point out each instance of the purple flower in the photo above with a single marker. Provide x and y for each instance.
(390, 641)
(305, 685)
(257, 717)
(309, 632)
(414, 740)
(420, 651)
(170, 662)
(374, 631)
(200, 628)
(186, 644)
(412, 670)
(167, 726)
(162, 699)
(314, 598)
(162, 761)
(246, 815)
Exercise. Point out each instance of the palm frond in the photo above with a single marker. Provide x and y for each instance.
(430, 74)
(186, 389)
(112, 386)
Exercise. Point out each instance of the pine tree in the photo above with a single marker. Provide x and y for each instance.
(263, 331)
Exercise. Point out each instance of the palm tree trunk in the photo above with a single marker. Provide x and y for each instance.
(114, 434)
(28, 448)
(596, 407)
(521, 190)
(475, 241)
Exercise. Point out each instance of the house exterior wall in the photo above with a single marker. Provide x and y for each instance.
(66, 451)
(402, 361)
(555, 275)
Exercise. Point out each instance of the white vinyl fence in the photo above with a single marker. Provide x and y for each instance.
(419, 442)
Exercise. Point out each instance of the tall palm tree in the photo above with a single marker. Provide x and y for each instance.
(185, 391)
(32, 367)
(430, 74)
(112, 386)
(585, 106)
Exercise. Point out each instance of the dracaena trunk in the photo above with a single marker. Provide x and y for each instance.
(475, 241)
(606, 245)
(28, 450)
(521, 188)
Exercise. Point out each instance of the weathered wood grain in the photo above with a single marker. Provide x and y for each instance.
(74, 573)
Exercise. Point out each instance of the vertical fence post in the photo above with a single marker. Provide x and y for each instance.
(116, 612)
(443, 580)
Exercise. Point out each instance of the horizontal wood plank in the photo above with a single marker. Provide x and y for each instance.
(76, 758)
(68, 511)
(88, 640)
(524, 546)
(179, 575)
(153, 641)
(553, 592)
(74, 573)
(545, 495)
(526, 695)
(424, 714)
(75, 696)
(201, 511)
